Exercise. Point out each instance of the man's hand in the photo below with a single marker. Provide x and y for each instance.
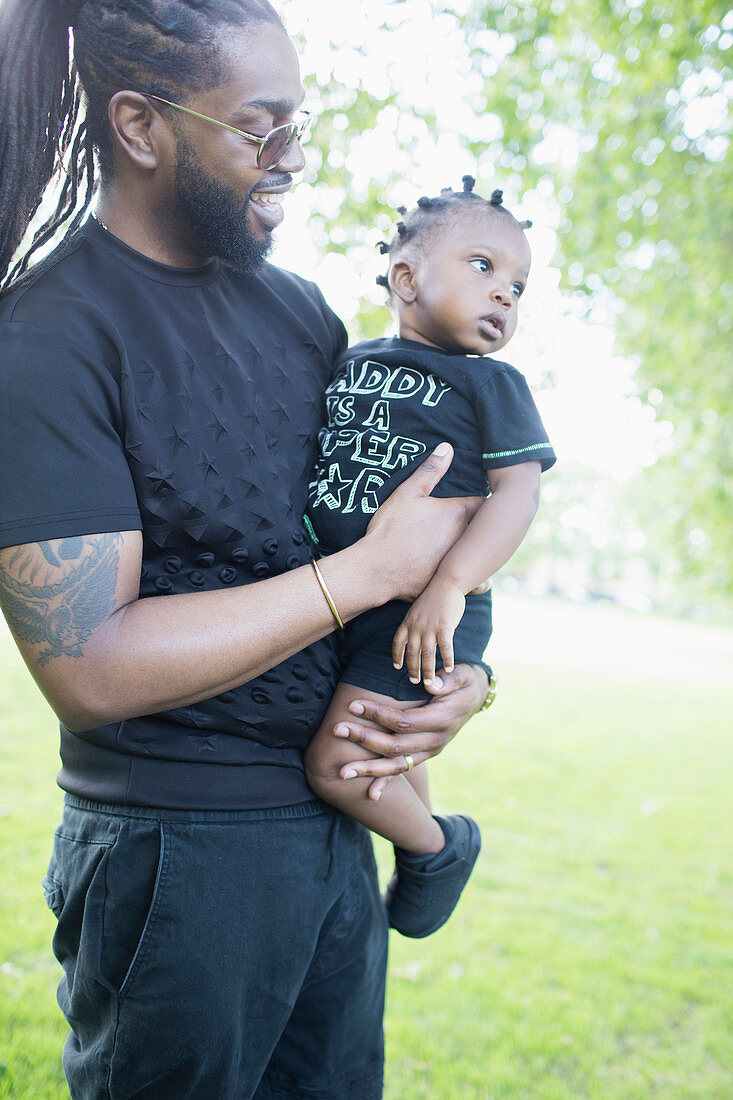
(420, 733)
(410, 534)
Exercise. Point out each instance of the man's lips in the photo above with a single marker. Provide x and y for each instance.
(266, 202)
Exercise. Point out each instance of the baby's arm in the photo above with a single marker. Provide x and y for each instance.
(493, 535)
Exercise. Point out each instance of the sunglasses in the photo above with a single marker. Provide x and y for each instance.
(271, 148)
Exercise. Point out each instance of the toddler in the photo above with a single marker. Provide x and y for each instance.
(458, 265)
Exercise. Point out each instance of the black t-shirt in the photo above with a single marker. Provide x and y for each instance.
(390, 403)
(185, 404)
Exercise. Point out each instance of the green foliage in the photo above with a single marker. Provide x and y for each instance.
(624, 108)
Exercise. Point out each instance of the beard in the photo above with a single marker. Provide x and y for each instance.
(217, 214)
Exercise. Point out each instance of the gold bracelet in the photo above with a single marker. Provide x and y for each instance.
(326, 593)
(490, 694)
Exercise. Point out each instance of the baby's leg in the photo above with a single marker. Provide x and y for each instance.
(418, 780)
(400, 815)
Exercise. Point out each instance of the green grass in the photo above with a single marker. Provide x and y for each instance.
(592, 954)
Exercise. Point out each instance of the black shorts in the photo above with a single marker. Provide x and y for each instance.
(369, 647)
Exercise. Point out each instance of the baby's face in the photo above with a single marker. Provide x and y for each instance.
(468, 284)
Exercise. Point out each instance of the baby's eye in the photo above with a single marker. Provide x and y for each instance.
(481, 265)
(517, 290)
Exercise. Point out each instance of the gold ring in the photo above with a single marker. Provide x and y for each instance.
(409, 761)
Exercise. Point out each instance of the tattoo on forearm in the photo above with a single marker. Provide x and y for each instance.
(56, 593)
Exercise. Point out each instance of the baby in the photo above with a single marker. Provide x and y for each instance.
(458, 266)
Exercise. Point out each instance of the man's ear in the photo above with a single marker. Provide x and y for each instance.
(402, 281)
(139, 131)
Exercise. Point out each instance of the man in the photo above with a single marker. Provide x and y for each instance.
(221, 931)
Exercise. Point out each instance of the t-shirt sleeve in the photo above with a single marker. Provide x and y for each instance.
(64, 470)
(511, 428)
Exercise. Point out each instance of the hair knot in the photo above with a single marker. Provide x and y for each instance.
(468, 184)
(496, 197)
(382, 280)
(425, 203)
(401, 209)
(401, 230)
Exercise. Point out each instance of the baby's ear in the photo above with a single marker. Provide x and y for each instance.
(402, 282)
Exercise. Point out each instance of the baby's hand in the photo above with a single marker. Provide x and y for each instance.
(431, 621)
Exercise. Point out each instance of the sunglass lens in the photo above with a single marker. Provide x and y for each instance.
(276, 146)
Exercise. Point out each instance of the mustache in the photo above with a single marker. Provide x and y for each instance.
(273, 179)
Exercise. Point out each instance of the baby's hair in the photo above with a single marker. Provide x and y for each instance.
(420, 225)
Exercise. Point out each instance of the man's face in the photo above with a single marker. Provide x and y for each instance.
(229, 204)
(468, 283)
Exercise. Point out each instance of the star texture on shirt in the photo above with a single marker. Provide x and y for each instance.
(205, 742)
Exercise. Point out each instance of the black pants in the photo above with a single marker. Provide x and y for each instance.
(218, 956)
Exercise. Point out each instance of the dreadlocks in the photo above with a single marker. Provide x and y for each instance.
(55, 87)
(419, 226)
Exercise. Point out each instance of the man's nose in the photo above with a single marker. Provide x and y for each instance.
(294, 159)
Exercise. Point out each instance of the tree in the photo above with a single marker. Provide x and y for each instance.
(624, 107)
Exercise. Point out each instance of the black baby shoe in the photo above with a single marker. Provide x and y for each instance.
(424, 890)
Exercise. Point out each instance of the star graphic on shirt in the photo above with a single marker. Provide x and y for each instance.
(280, 413)
(185, 399)
(132, 446)
(150, 745)
(218, 391)
(304, 437)
(188, 363)
(314, 401)
(217, 426)
(330, 488)
(250, 491)
(177, 438)
(206, 463)
(149, 372)
(161, 478)
(246, 449)
(205, 743)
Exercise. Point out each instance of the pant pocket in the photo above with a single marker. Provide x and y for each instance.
(102, 885)
(134, 875)
(53, 893)
(74, 890)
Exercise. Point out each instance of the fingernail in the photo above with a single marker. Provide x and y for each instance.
(414, 679)
(441, 449)
(438, 684)
(350, 774)
(341, 731)
(377, 796)
(395, 665)
(356, 708)
(427, 681)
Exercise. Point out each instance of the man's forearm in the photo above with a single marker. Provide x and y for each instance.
(100, 654)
